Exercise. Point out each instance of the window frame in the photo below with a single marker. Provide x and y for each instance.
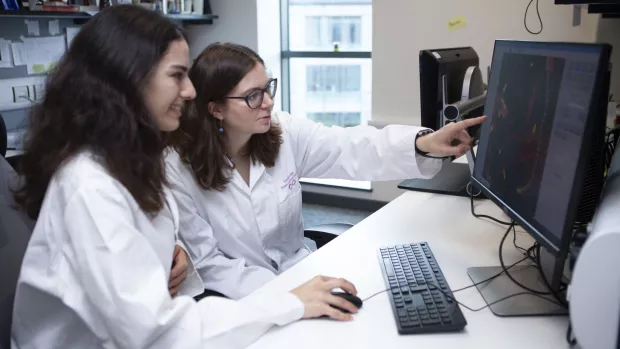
(286, 56)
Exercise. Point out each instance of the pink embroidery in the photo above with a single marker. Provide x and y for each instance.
(290, 181)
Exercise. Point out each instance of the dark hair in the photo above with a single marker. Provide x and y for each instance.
(216, 72)
(94, 101)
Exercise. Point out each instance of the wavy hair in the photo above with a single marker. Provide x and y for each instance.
(215, 73)
(94, 101)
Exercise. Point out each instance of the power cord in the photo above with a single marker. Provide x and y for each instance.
(473, 213)
(501, 262)
(537, 13)
(530, 254)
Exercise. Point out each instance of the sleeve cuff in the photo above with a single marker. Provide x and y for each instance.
(193, 285)
(428, 167)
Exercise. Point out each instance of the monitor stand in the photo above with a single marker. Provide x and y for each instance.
(502, 286)
(453, 179)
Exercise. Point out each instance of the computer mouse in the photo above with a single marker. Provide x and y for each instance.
(349, 297)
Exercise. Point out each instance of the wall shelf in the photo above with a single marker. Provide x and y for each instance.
(83, 16)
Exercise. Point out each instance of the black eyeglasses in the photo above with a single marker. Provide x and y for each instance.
(254, 99)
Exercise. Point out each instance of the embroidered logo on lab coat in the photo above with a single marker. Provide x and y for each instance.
(290, 181)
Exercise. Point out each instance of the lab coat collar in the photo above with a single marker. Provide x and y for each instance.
(257, 169)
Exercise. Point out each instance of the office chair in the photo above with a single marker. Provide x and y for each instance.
(15, 231)
(324, 233)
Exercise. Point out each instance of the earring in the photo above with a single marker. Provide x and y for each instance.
(221, 129)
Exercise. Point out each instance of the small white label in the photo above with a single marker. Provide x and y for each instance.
(436, 55)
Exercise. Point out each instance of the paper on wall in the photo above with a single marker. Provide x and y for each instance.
(54, 27)
(40, 68)
(6, 57)
(17, 49)
(33, 27)
(44, 50)
(457, 22)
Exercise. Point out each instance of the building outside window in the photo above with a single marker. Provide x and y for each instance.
(326, 62)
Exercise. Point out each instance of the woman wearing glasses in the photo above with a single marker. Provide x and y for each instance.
(236, 164)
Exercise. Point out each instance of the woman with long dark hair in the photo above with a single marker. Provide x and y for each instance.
(100, 270)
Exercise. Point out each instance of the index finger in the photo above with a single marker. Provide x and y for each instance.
(343, 284)
(467, 123)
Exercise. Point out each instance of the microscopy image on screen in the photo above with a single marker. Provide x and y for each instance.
(521, 126)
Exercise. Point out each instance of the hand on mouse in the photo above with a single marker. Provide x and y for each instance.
(440, 143)
(318, 299)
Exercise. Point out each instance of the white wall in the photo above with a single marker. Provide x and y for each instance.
(609, 32)
(403, 28)
(237, 23)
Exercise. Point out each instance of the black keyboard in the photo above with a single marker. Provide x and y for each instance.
(412, 276)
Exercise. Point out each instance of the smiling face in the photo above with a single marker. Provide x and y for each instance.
(169, 87)
(237, 116)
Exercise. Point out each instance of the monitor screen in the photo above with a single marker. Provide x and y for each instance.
(538, 103)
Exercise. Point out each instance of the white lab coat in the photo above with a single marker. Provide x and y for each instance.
(96, 271)
(244, 236)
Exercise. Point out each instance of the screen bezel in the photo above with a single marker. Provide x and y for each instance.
(539, 232)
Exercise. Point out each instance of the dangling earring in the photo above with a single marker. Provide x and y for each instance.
(221, 129)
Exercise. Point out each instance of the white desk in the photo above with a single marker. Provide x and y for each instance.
(458, 241)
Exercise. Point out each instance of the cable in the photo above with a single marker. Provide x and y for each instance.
(539, 18)
(492, 303)
(479, 309)
(473, 213)
(501, 261)
(569, 336)
(490, 278)
(527, 253)
(367, 298)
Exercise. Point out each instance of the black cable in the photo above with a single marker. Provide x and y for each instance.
(539, 18)
(367, 298)
(473, 213)
(527, 253)
(479, 309)
(569, 336)
(492, 303)
(489, 278)
(501, 261)
(514, 242)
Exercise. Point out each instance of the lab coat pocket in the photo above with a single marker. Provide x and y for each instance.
(289, 211)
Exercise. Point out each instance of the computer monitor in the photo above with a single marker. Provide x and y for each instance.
(447, 76)
(540, 152)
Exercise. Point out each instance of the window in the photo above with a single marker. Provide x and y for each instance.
(328, 85)
(336, 119)
(333, 78)
(323, 32)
